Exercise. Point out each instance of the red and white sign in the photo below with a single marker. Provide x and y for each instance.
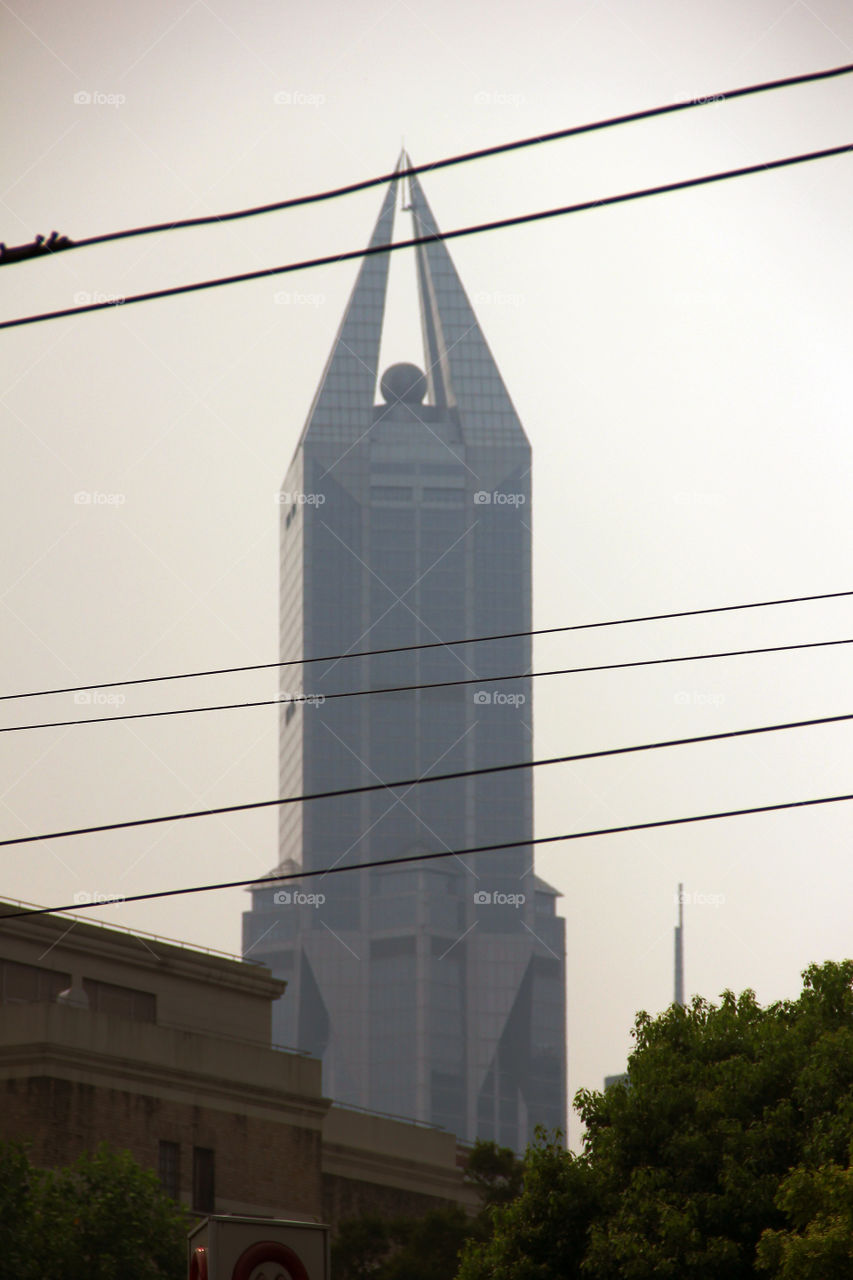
(226, 1247)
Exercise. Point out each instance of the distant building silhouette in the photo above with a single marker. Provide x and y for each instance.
(437, 990)
(679, 949)
(678, 971)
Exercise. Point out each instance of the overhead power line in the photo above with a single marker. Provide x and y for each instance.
(431, 644)
(499, 224)
(339, 868)
(412, 688)
(424, 779)
(41, 248)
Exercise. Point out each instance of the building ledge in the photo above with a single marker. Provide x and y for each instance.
(138, 1057)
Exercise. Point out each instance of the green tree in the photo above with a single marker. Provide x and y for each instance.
(542, 1233)
(496, 1172)
(17, 1233)
(732, 1129)
(427, 1248)
(360, 1247)
(102, 1217)
(818, 1204)
(401, 1248)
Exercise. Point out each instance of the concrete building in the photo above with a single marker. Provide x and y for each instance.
(436, 991)
(165, 1051)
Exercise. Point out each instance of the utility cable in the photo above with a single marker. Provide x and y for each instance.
(499, 224)
(41, 248)
(431, 644)
(321, 698)
(423, 780)
(429, 857)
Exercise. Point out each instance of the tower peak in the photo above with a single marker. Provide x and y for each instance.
(461, 373)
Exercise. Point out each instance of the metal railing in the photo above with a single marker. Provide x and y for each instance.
(389, 1115)
(224, 1035)
(142, 933)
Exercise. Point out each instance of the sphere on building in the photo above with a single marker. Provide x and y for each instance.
(403, 382)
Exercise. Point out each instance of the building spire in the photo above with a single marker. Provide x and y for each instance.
(461, 370)
(679, 949)
(350, 375)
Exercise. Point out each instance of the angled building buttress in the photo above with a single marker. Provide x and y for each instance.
(461, 369)
(350, 374)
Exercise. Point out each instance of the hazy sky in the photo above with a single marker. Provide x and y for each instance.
(681, 366)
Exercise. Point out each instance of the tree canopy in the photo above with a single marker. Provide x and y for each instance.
(102, 1217)
(427, 1248)
(725, 1154)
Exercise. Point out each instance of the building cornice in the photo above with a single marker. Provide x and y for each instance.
(141, 1058)
(413, 1176)
(87, 940)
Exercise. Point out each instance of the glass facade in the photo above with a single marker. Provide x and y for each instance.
(433, 991)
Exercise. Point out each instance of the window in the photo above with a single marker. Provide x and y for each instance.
(29, 984)
(169, 1167)
(123, 1002)
(204, 1193)
(391, 493)
(453, 497)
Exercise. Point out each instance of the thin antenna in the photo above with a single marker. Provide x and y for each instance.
(679, 949)
(406, 183)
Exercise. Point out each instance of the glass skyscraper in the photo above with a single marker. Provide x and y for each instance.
(432, 990)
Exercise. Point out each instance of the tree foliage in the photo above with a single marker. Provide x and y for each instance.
(101, 1217)
(725, 1155)
(427, 1248)
(496, 1172)
(540, 1234)
(818, 1243)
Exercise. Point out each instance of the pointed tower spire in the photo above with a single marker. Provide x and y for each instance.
(461, 369)
(349, 379)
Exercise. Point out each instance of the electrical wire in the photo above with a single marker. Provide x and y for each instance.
(450, 161)
(431, 644)
(499, 224)
(412, 688)
(424, 779)
(429, 857)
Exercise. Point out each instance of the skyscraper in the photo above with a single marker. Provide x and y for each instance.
(437, 990)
